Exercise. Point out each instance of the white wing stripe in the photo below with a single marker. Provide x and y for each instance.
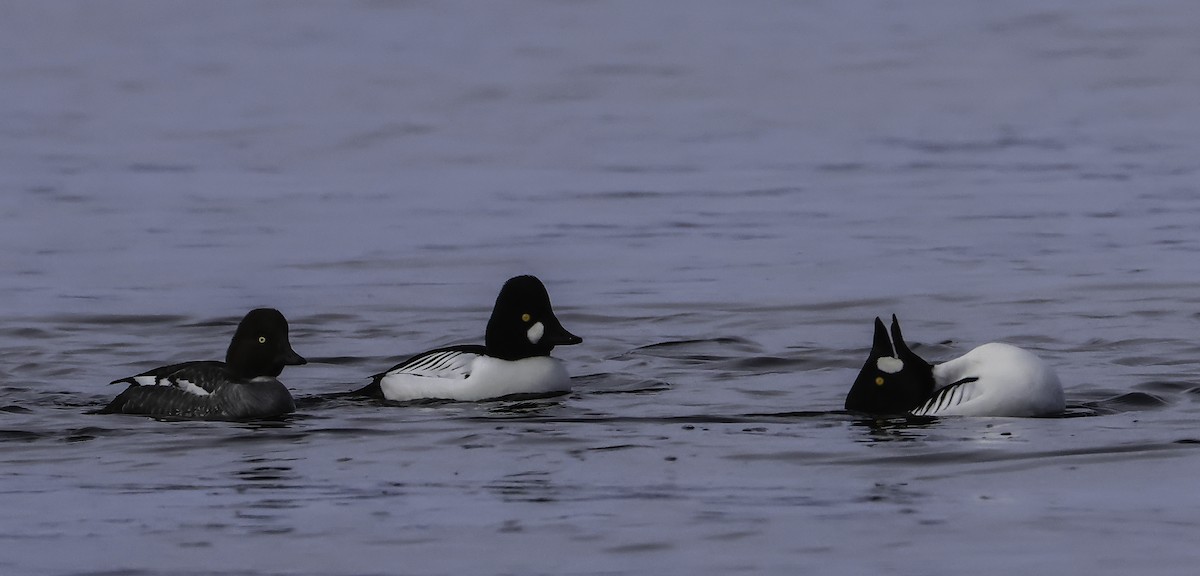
(421, 363)
(446, 364)
(191, 388)
(431, 361)
(956, 395)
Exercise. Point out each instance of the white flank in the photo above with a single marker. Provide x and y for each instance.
(889, 364)
(1008, 381)
(535, 333)
(190, 388)
(488, 378)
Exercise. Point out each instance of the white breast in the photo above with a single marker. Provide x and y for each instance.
(1008, 381)
(483, 378)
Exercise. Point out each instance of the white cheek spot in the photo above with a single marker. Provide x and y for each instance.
(191, 388)
(535, 333)
(889, 364)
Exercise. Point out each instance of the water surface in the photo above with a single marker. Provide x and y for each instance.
(720, 198)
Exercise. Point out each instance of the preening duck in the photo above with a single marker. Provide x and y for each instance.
(994, 379)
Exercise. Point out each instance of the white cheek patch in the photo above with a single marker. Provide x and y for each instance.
(191, 388)
(145, 380)
(889, 364)
(535, 333)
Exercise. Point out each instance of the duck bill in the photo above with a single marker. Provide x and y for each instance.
(556, 335)
(291, 358)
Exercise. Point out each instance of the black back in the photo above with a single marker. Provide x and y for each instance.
(880, 391)
(523, 303)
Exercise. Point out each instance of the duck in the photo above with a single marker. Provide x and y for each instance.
(244, 386)
(994, 379)
(514, 361)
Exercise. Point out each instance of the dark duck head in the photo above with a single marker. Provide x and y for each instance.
(523, 324)
(894, 380)
(260, 347)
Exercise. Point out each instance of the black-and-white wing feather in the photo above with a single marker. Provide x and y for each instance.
(452, 362)
(197, 378)
(952, 395)
(181, 390)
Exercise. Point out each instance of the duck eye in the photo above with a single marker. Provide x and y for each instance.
(879, 380)
(262, 339)
(525, 317)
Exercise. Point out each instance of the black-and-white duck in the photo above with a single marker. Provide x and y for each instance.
(514, 360)
(994, 379)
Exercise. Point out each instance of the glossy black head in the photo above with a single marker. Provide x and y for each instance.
(523, 324)
(894, 380)
(260, 347)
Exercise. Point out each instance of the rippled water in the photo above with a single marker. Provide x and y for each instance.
(720, 198)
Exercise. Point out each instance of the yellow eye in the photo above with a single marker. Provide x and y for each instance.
(879, 380)
(525, 317)
(262, 339)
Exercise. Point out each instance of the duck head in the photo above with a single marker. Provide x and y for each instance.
(523, 324)
(894, 380)
(260, 346)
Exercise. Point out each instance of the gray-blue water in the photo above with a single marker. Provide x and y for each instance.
(720, 197)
